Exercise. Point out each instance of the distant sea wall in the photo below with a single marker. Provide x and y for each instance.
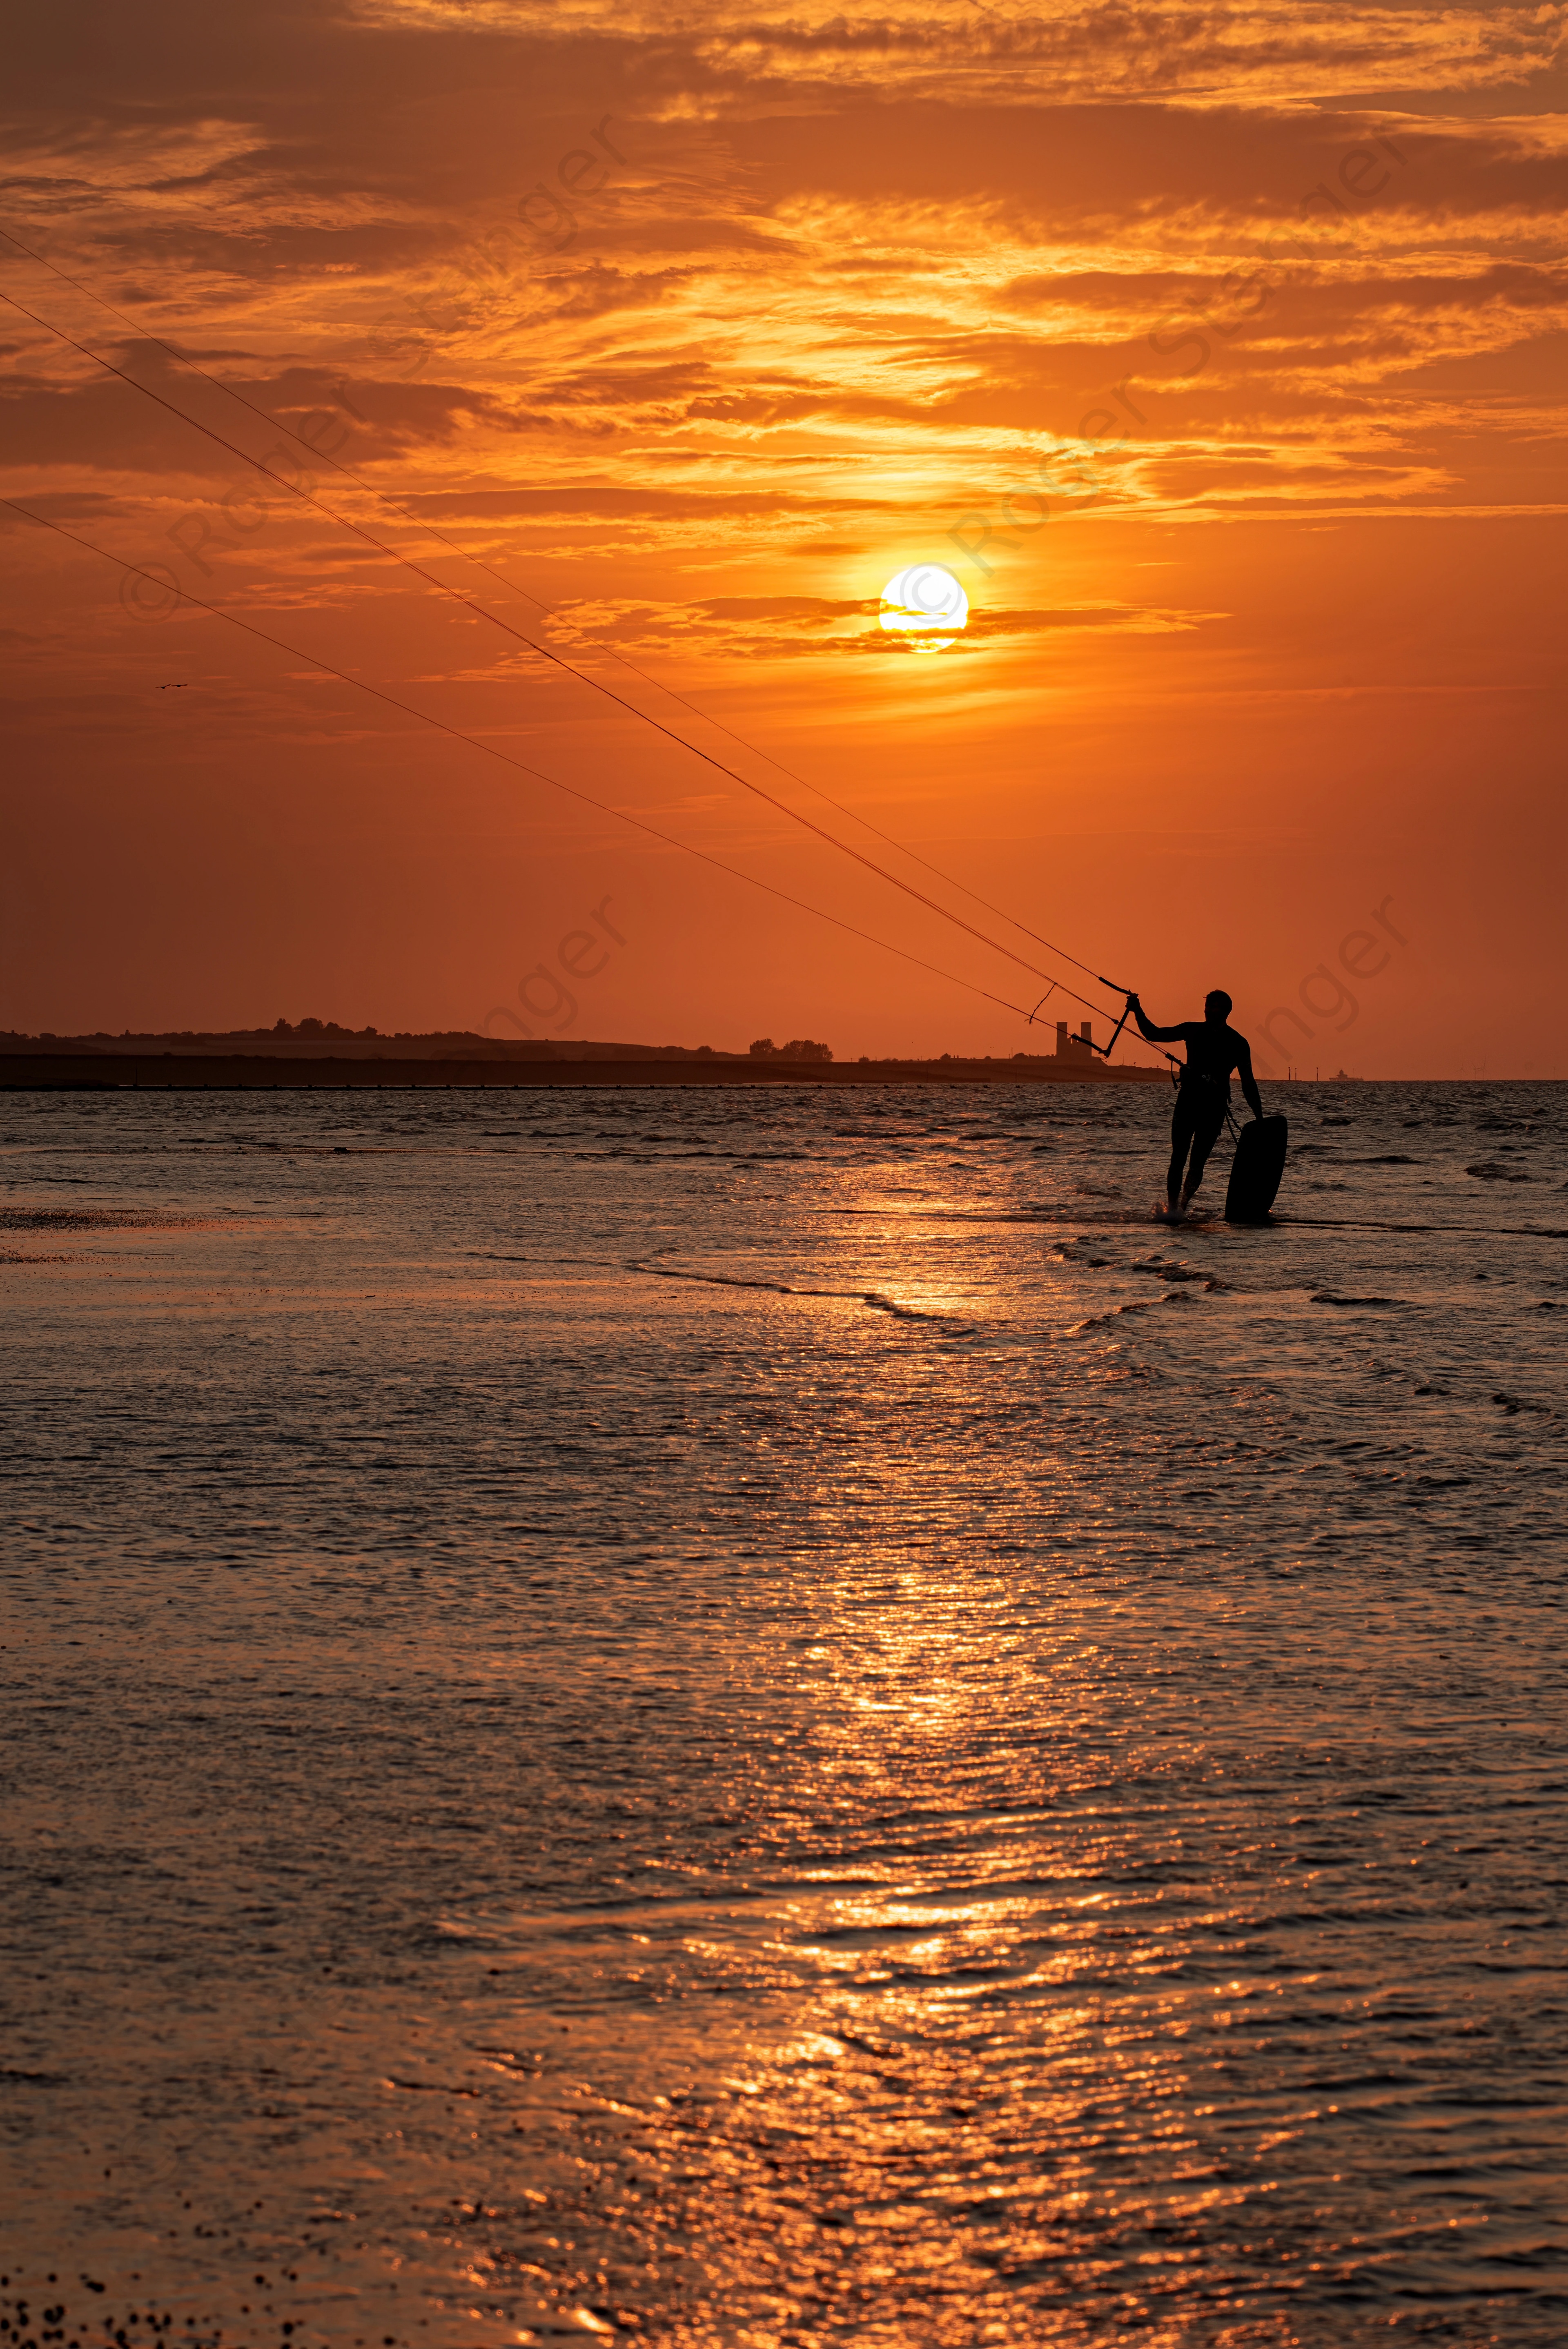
(80, 1072)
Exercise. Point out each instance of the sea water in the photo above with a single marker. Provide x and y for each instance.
(766, 1716)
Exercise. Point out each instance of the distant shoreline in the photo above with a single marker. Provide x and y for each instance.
(125, 1072)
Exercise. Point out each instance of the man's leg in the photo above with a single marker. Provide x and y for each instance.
(1181, 1125)
(1203, 1140)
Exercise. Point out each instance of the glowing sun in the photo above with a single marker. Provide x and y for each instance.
(922, 601)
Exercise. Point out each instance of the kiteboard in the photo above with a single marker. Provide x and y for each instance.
(1256, 1170)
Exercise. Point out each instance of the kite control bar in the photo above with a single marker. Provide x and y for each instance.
(1126, 1008)
(1105, 1050)
(1121, 1023)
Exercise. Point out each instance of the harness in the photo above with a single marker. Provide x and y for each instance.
(1183, 1073)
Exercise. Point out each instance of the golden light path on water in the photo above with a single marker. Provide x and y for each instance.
(763, 1719)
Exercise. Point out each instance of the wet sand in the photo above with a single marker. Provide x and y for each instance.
(740, 1717)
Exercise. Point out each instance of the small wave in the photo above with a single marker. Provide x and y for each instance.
(110, 1219)
(1328, 1297)
(1103, 1321)
(871, 1297)
(1161, 1270)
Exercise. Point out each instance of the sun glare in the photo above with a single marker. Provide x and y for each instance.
(922, 601)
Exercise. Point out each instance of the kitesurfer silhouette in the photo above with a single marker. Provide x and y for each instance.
(1213, 1050)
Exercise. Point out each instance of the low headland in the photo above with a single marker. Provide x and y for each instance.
(318, 1054)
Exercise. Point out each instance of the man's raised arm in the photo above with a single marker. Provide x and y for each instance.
(1254, 1098)
(1148, 1030)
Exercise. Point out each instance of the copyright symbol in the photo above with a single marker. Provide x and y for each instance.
(149, 593)
(929, 588)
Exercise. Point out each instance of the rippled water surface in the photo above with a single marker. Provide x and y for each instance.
(767, 1717)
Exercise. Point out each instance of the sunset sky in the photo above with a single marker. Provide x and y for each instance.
(1220, 355)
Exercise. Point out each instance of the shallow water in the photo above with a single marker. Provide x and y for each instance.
(767, 1717)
